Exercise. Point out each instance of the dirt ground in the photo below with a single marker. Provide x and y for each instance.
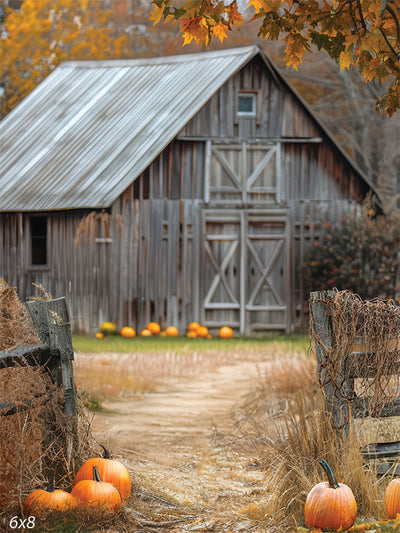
(182, 443)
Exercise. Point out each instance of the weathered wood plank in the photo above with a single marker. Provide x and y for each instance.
(37, 354)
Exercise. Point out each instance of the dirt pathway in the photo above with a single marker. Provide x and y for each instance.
(178, 440)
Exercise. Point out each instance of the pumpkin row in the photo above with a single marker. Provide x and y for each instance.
(331, 505)
(101, 483)
(194, 330)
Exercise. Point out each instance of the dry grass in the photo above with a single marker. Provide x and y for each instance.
(110, 374)
(286, 422)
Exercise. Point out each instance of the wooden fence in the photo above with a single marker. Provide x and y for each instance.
(341, 398)
(55, 355)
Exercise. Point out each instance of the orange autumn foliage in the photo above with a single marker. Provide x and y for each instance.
(43, 33)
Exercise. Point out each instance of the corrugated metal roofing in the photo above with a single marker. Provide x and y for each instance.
(91, 127)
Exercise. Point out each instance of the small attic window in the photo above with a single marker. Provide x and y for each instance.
(246, 105)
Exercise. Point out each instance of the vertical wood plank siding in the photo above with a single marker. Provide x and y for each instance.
(150, 261)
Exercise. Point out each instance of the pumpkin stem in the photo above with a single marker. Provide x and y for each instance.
(331, 476)
(106, 452)
(96, 474)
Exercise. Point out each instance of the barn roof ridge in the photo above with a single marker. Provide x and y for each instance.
(162, 60)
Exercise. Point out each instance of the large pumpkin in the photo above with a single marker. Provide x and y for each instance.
(154, 328)
(330, 505)
(225, 333)
(41, 500)
(172, 331)
(128, 332)
(392, 498)
(96, 493)
(110, 470)
(202, 332)
(193, 326)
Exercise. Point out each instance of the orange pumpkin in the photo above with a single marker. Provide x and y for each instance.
(202, 332)
(191, 334)
(111, 471)
(145, 333)
(99, 335)
(154, 328)
(128, 332)
(194, 326)
(172, 331)
(96, 493)
(392, 498)
(41, 500)
(330, 505)
(225, 333)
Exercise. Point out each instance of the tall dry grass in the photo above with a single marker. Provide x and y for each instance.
(287, 421)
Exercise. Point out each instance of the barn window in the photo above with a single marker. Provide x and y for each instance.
(247, 105)
(38, 241)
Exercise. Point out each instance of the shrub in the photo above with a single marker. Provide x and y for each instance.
(359, 254)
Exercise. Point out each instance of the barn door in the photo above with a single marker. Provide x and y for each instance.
(246, 282)
(242, 173)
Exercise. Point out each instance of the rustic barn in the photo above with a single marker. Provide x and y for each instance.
(174, 189)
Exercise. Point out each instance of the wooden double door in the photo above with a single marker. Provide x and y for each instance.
(245, 271)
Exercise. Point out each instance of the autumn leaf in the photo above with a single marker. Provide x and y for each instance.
(219, 30)
(195, 28)
(156, 14)
(235, 18)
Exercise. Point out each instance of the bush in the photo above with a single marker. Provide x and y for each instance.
(359, 254)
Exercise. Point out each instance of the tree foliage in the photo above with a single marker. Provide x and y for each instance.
(44, 33)
(364, 33)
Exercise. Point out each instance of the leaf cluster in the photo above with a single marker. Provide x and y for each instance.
(43, 33)
(363, 34)
(359, 254)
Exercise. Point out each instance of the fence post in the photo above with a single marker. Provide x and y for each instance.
(52, 322)
(324, 336)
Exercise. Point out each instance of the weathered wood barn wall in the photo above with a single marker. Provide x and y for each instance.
(213, 229)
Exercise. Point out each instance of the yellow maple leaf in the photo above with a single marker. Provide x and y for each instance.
(156, 14)
(219, 30)
(346, 58)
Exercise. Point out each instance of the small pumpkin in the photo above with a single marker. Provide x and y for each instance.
(330, 505)
(145, 333)
(154, 328)
(392, 498)
(111, 471)
(225, 333)
(172, 331)
(50, 499)
(128, 332)
(108, 328)
(202, 332)
(193, 326)
(97, 494)
(191, 334)
(99, 335)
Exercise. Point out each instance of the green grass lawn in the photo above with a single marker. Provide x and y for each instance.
(114, 343)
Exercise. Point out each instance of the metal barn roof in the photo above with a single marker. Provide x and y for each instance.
(91, 127)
